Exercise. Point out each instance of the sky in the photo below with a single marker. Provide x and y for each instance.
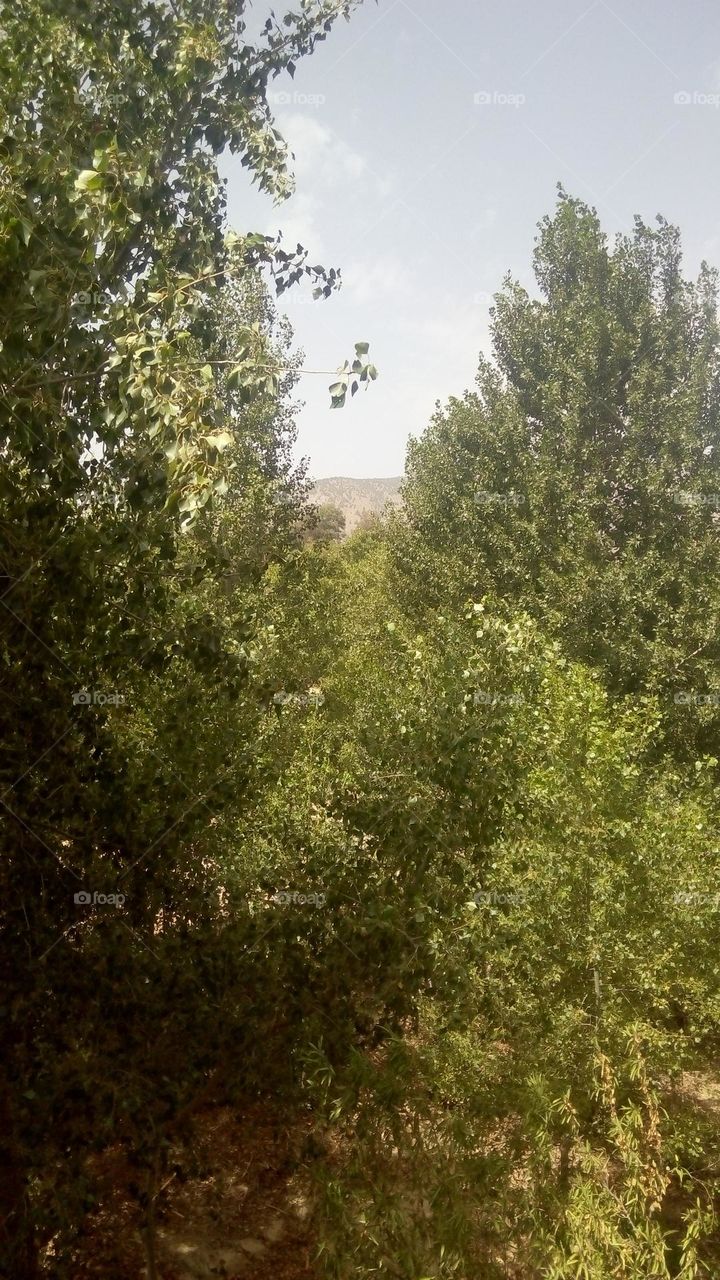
(429, 138)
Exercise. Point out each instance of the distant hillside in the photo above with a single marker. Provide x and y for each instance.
(356, 498)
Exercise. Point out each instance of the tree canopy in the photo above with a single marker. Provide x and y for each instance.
(411, 836)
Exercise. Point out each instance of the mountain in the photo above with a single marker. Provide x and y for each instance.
(356, 498)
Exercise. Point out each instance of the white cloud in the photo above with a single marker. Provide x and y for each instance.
(483, 221)
(323, 162)
(373, 281)
(297, 219)
(319, 152)
(710, 249)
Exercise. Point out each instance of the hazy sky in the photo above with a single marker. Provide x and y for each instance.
(429, 137)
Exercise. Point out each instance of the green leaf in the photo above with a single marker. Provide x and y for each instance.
(237, 375)
(220, 440)
(88, 180)
(189, 502)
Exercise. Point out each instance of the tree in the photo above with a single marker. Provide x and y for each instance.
(127, 409)
(500, 858)
(327, 525)
(580, 480)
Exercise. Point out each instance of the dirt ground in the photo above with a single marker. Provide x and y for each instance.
(238, 1210)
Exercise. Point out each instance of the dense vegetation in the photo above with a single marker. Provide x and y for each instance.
(417, 830)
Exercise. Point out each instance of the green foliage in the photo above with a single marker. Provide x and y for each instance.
(145, 486)
(580, 481)
(554, 947)
(328, 525)
(416, 828)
